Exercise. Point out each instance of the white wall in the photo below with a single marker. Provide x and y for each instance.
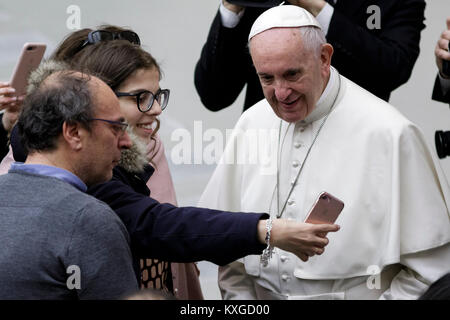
(174, 32)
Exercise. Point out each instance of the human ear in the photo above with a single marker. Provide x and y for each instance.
(72, 135)
(326, 52)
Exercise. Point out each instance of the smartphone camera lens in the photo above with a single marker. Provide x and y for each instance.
(325, 197)
(30, 48)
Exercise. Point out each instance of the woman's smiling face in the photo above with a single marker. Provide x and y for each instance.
(143, 123)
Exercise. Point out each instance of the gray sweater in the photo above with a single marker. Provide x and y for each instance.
(57, 242)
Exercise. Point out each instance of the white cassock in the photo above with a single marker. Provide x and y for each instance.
(395, 227)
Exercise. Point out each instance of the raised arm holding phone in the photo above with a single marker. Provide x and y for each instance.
(9, 108)
(441, 91)
(13, 92)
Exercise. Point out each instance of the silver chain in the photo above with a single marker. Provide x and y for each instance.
(280, 213)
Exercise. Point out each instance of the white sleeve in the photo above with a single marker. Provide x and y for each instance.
(235, 283)
(421, 270)
(229, 18)
(324, 17)
(445, 84)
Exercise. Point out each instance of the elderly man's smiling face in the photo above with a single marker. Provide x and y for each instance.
(292, 76)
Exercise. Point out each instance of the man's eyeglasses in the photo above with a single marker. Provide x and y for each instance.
(145, 98)
(118, 127)
(104, 35)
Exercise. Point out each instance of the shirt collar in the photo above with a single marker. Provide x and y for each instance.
(50, 171)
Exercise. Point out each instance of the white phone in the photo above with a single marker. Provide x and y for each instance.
(30, 58)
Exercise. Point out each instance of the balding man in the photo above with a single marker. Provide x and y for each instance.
(330, 135)
(57, 242)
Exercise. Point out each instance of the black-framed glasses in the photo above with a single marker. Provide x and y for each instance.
(145, 98)
(118, 126)
(105, 35)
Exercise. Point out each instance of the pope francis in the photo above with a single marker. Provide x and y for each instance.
(333, 136)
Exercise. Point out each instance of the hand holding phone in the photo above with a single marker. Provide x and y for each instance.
(29, 60)
(325, 210)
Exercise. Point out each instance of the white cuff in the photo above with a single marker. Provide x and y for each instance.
(229, 18)
(445, 84)
(324, 17)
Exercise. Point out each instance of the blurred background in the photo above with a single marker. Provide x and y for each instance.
(174, 32)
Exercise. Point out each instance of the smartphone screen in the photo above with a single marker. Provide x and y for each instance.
(325, 210)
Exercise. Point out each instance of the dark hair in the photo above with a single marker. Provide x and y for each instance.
(66, 98)
(112, 61)
(70, 46)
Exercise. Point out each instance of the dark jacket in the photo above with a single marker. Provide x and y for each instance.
(379, 60)
(177, 234)
(4, 148)
(438, 95)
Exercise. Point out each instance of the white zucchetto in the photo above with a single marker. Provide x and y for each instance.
(283, 17)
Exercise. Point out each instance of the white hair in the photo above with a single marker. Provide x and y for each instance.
(312, 37)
